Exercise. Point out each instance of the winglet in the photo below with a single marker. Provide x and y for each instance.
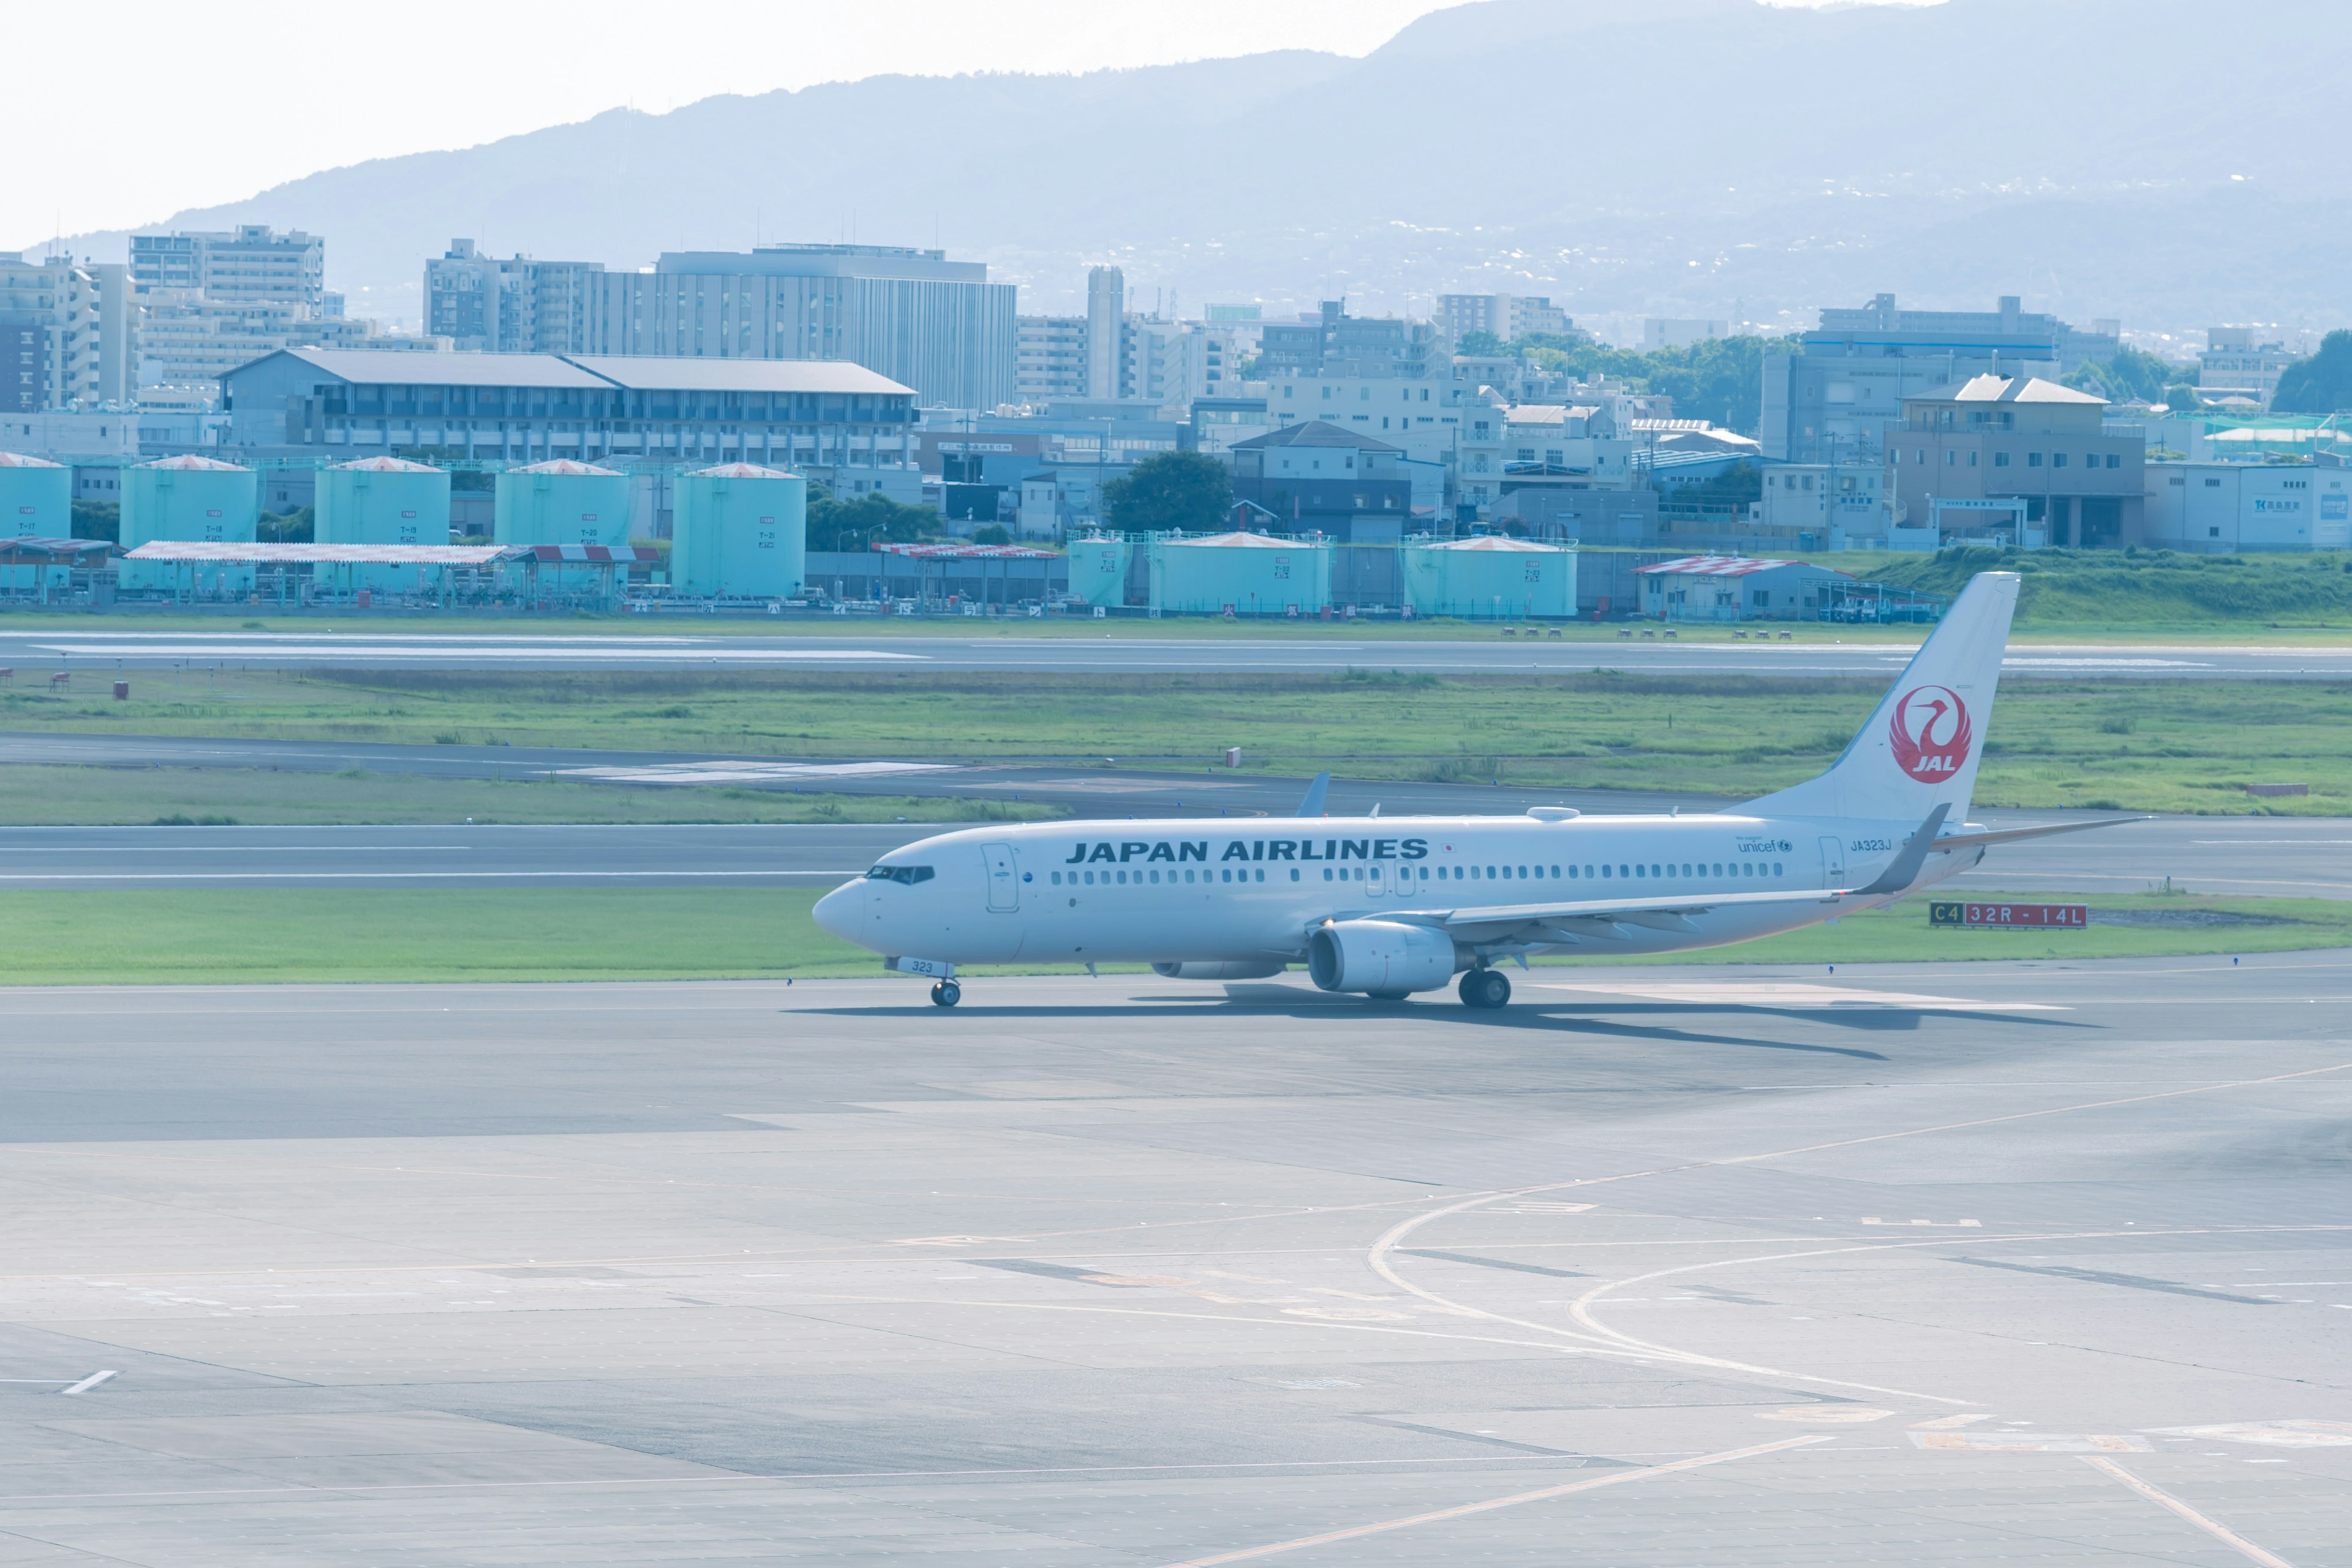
(1313, 804)
(1906, 868)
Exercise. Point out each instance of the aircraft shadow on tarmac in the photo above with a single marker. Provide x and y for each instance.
(1578, 1017)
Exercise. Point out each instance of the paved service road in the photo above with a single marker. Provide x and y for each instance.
(1814, 653)
(1715, 1265)
(2276, 856)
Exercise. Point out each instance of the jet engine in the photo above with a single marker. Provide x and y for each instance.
(1380, 958)
(1222, 969)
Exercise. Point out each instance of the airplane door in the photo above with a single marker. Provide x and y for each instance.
(1832, 862)
(1003, 882)
(1376, 882)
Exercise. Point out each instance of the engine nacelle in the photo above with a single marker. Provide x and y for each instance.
(1222, 969)
(1380, 958)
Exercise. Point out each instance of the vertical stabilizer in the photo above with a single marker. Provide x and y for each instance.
(1920, 747)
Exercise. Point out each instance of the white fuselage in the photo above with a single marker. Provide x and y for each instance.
(1194, 889)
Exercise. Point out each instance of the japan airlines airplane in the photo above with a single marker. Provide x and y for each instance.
(1387, 906)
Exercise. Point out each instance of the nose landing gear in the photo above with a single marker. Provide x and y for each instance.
(946, 992)
(1484, 988)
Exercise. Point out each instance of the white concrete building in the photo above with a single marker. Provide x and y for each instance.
(2233, 364)
(515, 305)
(2224, 508)
(250, 264)
(1507, 316)
(68, 334)
(1845, 506)
(1049, 359)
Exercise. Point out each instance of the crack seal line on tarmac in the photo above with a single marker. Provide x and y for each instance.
(2213, 1527)
(1377, 1257)
(1591, 1483)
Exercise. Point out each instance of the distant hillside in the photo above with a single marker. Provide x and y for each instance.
(1678, 157)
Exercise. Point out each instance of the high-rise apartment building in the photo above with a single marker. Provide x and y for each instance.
(512, 306)
(1049, 359)
(250, 264)
(1507, 316)
(1333, 342)
(935, 325)
(68, 334)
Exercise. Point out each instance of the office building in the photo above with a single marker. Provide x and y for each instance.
(2234, 365)
(1833, 396)
(68, 334)
(483, 304)
(1105, 310)
(1322, 476)
(249, 264)
(840, 424)
(1508, 316)
(2022, 449)
(1333, 343)
(187, 342)
(913, 317)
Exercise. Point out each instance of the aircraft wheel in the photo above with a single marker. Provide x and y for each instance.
(946, 994)
(1485, 988)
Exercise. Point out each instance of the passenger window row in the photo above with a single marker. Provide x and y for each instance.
(1588, 873)
(1121, 878)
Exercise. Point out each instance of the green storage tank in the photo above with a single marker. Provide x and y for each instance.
(1493, 578)
(739, 532)
(1098, 571)
(35, 502)
(561, 503)
(383, 501)
(1246, 574)
(189, 499)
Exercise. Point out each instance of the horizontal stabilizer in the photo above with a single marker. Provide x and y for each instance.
(2011, 835)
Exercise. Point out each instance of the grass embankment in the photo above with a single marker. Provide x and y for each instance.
(38, 797)
(2293, 597)
(211, 936)
(2191, 746)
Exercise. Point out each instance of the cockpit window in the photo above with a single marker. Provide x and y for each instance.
(909, 875)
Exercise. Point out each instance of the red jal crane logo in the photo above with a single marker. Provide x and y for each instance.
(1931, 733)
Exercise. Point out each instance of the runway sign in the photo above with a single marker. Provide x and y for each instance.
(2035, 916)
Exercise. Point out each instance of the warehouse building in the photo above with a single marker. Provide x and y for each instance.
(1241, 574)
(1494, 577)
(839, 424)
(1737, 588)
(2224, 508)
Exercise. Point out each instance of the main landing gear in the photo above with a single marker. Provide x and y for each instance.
(946, 992)
(1484, 988)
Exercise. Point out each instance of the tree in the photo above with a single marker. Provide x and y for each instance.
(1720, 380)
(98, 520)
(2132, 374)
(1485, 345)
(2182, 399)
(297, 527)
(835, 524)
(990, 533)
(2320, 385)
(1169, 490)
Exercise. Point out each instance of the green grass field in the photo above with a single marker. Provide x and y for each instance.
(271, 935)
(40, 796)
(2191, 746)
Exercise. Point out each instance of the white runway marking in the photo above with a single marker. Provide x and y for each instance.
(2213, 1527)
(447, 651)
(748, 772)
(1795, 995)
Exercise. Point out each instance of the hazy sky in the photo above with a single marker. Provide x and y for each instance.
(140, 109)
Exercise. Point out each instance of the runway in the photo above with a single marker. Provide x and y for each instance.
(2234, 857)
(1940, 1265)
(1814, 652)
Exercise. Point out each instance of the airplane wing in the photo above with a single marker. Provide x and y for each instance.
(2010, 835)
(1674, 914)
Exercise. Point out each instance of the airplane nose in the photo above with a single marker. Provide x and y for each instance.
(842, 913)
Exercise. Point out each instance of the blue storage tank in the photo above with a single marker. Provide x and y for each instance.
(1493, 578)
(35, 502)
(191, 498)
(561, 503)
(739, 532)
(1243, 573)
(385, 501)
